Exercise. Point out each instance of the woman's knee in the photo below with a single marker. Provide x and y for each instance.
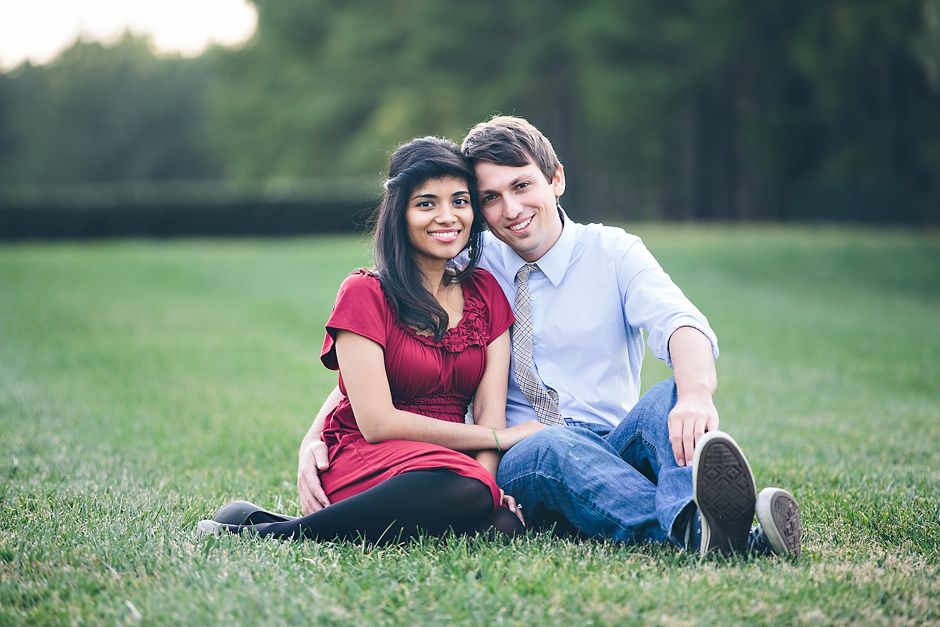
(470, 496)
(504, 523)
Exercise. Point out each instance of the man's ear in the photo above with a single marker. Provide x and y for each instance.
(558, 181)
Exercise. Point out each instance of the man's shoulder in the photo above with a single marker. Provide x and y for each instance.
(606, 232)
(604, 240)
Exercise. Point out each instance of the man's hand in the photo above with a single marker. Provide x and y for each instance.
(312, 460)
(689, 420)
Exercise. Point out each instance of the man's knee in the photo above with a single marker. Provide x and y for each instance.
(546, 442)
(664, 391)
(659, 400)
(545, 452)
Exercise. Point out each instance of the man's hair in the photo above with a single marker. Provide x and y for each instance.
(508, 140)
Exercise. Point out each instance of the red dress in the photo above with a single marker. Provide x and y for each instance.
(427, 377)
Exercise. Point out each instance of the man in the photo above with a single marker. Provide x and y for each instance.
(608, 464)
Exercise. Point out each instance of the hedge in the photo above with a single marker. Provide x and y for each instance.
(184, 209)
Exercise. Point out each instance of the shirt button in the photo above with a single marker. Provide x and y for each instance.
(532, 297)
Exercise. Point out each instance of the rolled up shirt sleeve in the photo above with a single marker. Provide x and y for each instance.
(653, 302)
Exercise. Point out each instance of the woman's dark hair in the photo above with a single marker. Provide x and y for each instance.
(411, 165)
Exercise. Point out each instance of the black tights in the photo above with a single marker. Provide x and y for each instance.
(422, 502)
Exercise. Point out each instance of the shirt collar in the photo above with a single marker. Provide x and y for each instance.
(554, 263)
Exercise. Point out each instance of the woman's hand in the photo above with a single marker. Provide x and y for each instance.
(510, 503)
(513, 435)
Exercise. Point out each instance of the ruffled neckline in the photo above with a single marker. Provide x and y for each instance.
(471, 330)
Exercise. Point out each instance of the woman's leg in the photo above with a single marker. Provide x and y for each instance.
(426, 501)
(500, 523)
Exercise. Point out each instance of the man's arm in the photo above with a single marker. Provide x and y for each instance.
(312, 459)
(693, 366)
(678, 334)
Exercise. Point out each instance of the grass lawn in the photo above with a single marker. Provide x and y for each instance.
(143, 384)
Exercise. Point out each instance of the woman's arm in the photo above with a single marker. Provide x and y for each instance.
(489, 402)
(362, 364)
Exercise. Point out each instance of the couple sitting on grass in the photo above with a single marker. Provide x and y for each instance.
(535, 324)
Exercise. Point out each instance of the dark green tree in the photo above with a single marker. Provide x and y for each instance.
(101, 114)
(726, 109)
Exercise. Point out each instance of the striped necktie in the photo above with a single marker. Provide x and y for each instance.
(544, 400)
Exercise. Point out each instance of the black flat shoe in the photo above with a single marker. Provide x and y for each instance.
(245, 513)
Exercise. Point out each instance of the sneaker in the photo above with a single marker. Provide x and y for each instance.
(692, 537)
(724, 492)
(779, 516)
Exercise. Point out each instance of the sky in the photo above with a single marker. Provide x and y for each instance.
(39, 29)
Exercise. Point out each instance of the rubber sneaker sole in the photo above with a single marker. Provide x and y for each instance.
(779, 517)
(724, 491)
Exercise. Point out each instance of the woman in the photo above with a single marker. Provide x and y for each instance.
(413, 342)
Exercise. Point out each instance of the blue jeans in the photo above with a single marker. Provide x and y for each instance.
(621, 484)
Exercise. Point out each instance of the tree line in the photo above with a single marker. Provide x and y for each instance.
(727, 109)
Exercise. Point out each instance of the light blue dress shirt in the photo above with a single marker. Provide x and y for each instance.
(596, 291)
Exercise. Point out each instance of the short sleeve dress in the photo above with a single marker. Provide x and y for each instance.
(427, 377)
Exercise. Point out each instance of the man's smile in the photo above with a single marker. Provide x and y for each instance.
(521, 226)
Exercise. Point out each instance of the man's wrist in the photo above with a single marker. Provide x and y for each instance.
(695, 392)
